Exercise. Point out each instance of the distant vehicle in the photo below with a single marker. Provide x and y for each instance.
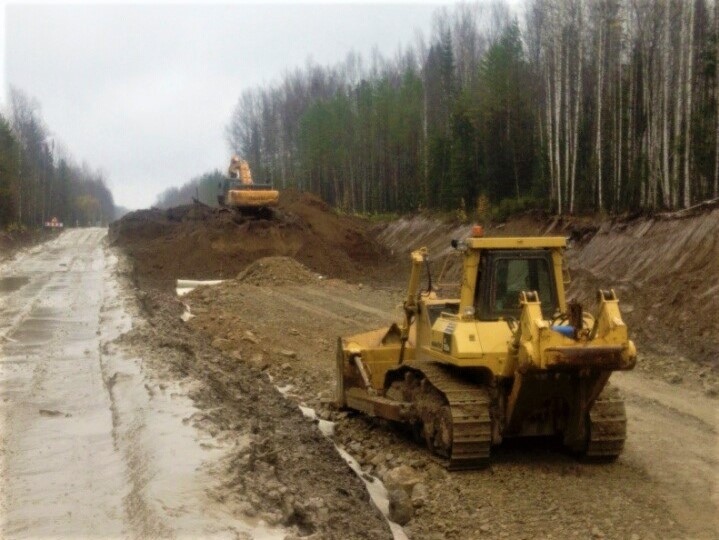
(54, 224)
(243, 195)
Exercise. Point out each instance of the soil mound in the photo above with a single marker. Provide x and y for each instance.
(277, 271)
(199, 242)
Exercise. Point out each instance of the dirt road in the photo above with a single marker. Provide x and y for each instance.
(663, 486)
(674, 437)
(90, 445)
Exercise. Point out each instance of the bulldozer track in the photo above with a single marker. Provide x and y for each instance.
(470, 412)
(607, 426)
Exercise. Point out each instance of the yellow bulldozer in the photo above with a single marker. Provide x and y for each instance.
(509, 358)
(241, 194)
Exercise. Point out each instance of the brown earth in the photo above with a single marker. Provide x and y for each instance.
(666, 275)
(281, 470)
(532, 490)
(281, 318)
(200, 242)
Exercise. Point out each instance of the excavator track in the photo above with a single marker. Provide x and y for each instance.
(470, 431)
(607, 426)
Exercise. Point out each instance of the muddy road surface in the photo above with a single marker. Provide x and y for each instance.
(88, 446)
(108, 430)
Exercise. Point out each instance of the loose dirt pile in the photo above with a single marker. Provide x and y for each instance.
(277, 271)
(199, 242)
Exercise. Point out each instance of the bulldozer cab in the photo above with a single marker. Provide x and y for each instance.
(504, 273)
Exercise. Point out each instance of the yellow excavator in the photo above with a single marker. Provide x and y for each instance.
(509, 358)
(243, 195)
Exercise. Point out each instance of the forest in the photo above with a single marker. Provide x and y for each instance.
(39, 179)
(567, 105)
(204, 188)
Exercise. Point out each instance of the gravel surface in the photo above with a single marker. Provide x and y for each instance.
(656, 489)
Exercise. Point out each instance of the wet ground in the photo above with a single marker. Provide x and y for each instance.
(89, 444)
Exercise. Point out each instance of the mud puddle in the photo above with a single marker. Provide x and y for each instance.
(13, 283)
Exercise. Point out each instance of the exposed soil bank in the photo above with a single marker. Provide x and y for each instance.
(667, 273)
(664, 270)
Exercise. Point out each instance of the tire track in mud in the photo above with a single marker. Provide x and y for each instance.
(297, 302)
(128, 424)
(40, 283)
(334, 300)
(167, 461)
(126, 435)
(60, 462)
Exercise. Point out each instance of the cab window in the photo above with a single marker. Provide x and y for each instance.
(504, 275)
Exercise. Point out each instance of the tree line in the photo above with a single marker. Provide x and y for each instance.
(38, 178)
(583, 105)
(204, 188)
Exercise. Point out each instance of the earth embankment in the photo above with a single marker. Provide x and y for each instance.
(200, 242)
(666, 271)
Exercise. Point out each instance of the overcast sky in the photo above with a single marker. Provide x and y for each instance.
(144, 92)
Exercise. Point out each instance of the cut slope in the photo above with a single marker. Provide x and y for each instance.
(666, 275)
(665, 269)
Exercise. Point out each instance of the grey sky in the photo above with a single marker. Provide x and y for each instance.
(144, 92)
